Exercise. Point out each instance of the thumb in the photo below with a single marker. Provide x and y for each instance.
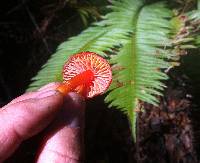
(64, 140)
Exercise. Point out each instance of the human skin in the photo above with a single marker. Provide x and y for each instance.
(60, 117)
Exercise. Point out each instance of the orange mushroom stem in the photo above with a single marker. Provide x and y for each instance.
(79, 83)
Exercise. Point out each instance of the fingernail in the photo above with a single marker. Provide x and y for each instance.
(76, 122)
(47, 93)
(76, 119)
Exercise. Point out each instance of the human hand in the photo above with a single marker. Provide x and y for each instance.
(61, 117)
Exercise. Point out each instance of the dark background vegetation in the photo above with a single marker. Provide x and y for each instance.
(30, 31)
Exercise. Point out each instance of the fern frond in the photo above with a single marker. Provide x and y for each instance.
(52, 70)
(99, 38)
(141, 33)
(198, 41)
(141, 59)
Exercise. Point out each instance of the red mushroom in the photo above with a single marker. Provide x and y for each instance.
(87, 74)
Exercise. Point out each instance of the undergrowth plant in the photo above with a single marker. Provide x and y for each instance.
(142, 40)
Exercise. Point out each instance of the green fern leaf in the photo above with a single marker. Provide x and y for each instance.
(52, 70)
(198, 40)
(140, 33)
(99, 38)
(141, 59)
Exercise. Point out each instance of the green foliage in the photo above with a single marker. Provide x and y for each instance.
(101, 37)
(198, 40)
(140, 39)
(141, 59)
(198, 4)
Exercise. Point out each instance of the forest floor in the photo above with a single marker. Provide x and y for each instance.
(166, 134)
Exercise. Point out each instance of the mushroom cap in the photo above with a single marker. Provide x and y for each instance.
(84, 61)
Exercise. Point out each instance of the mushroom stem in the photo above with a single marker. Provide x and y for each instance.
(80, 83)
